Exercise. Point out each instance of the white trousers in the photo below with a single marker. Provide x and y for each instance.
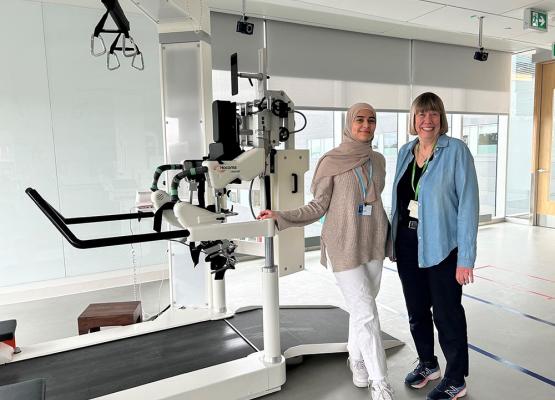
(360, 286)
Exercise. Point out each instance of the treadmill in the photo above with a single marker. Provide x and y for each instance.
(141, 358)
(106, 368)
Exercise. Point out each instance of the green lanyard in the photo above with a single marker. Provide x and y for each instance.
(417, 189)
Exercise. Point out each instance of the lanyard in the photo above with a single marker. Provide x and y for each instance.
(417, 189)
(363, 187)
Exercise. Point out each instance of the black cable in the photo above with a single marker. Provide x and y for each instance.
(250, 199)
(179, 241)
(305, 121)
(157, 315)
(261, 107)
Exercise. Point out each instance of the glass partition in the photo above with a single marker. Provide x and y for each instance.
(86, 138)
(480, 133)
(519, 149)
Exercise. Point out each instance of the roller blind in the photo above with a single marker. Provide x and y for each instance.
(320, 67)
(303, 51)
(465, 85)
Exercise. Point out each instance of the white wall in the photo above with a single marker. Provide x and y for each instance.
(84, 137)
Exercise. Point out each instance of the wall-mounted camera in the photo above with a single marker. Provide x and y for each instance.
(481, 55)
(245, 27)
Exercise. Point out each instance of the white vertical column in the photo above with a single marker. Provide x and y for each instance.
(501, 175)
(456, 126)
(218, 296)
(402, 129)
(270, 306)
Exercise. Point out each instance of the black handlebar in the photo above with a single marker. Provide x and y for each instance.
(61, 224)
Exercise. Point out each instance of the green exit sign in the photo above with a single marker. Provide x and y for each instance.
(535, 20)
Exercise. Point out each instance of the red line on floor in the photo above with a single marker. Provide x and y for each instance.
(484, 266)
(517, 272)
(545, 296)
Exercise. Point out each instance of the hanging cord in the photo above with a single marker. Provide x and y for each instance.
(134, 265)
(305, 122)
(137, 287)
(250, 198)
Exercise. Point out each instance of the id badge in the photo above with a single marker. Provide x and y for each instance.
(364, 209)
(413, 209)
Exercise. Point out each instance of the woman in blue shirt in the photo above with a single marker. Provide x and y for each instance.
(434, 228)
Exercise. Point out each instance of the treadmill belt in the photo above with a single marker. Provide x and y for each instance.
(302, 325)
(110, 367)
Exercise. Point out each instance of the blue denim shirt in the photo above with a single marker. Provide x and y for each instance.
(448, 205)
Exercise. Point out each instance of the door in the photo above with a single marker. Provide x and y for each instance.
(545, 158)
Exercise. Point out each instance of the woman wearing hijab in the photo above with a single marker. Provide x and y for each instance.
(347, 185)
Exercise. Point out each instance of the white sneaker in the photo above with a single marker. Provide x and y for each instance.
(360, 374)
(381, 390)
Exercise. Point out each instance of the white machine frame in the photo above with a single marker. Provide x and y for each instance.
(246, 378)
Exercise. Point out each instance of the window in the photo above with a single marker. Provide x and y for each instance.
(480, 133)
(385, 142)
(318, 137)
(323, 132)
(519, 149)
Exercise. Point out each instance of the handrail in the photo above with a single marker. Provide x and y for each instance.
(60, 222)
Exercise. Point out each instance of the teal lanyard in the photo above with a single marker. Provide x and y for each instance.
(417, 189)
(363, 187)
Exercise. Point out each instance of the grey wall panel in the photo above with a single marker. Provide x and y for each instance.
(226, 41)
(444, 65)
(311, 52)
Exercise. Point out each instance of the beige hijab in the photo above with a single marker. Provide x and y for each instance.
(348, 155)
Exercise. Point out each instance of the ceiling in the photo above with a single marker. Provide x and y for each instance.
(446, 21)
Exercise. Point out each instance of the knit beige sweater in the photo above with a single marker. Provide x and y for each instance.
(349, 239)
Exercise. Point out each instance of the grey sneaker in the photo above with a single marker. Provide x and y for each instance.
(360, 374)
(447, 390)
(423, 373)
(381, 390)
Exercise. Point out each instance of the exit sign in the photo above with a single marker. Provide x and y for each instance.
(535, 20)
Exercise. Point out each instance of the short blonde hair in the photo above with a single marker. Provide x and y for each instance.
(428, 102)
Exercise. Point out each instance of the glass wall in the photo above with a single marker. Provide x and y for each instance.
(480, 133)
(386, 142)
(319, 136)
(519, 152)
(323, 132)
(87, 139)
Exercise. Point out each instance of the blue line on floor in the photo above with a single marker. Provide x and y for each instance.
(512, 365)
(543, 321)
(506, 308)
(493, 356)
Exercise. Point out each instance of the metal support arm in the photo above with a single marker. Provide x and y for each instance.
(60, 222)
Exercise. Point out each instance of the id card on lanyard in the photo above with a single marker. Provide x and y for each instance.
(364, 209)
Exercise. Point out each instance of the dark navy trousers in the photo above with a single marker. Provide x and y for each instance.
(433, 295)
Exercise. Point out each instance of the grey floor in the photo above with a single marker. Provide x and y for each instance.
(510, 310)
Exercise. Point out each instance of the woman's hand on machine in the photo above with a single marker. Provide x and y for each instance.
(267, 214)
